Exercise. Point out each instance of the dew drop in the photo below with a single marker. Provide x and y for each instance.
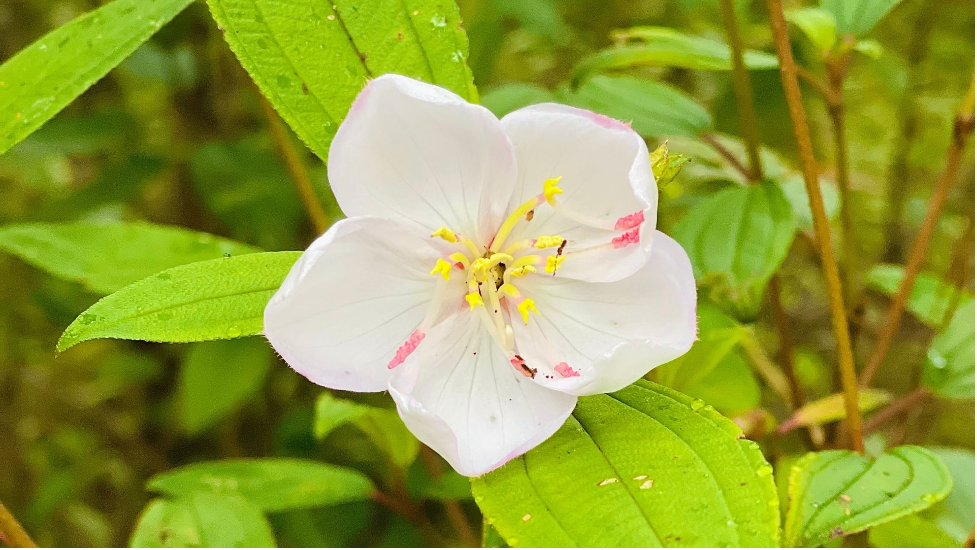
(697, 405)
(764, 470)
(234, 332)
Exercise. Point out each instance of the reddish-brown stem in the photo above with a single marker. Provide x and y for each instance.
(11, 532)
(727, 154)
(411, 512)
(897, 407)
(836, 302)
(963, 126)
(296, 168)
(452, 508)
(744, 94)
(837, 67)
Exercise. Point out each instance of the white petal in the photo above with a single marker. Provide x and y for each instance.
(462, 397)
(417, 153)
(610, 333)
(606, 175)
(355, 295)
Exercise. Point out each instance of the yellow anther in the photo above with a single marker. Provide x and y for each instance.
(442, 267)
(499, 258)
(553, 263)
(445, 234)
(460, 258)
(479, 267)
(509, 289)
(474, 299)
(524, 307)
(550, 190)
(521, 271)
(548, 241)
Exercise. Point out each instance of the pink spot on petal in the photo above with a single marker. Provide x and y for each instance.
(630, 221)
(565, 370)
(406, 349)
(460, 265)
(631, 237)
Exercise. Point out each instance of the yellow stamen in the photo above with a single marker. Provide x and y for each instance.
(442, 267)
(511, 222)
(471, 246)
(445, 234)
(524, 307)
(521, 271)
(517, 246)
(474, 299)
(553, 263)
(460, 258)
(548, 241)
(509, 290)
(550, 190)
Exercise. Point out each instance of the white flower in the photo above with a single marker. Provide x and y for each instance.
(489, 271)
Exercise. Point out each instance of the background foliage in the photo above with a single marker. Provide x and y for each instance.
(171, 186)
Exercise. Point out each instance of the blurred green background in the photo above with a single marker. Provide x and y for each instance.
(176, 135)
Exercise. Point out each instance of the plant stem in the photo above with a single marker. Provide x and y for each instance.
(743, 91)
(453, 510)
(837, 68)
(963, 126)
(11, 532)
(957, 272)
(897, 407)
(786, 343)
(296, 169)
(839, 321)
(726, 154)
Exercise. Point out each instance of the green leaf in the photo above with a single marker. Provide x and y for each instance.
(818, 25)
(105, 257)
(43, 78)
(949, 368)
(210, 300)
(202, 520)
(642, 467)
(737, 240)
(272, 484)
(653, 109)
(948, 523)
(666, 166)
(666, 47)
(838, 493)
(857, 17)
(929, 297)
(832, 408)
(719, 336)
(310, 58)
(506, 98)
(216, 378)
(382, 426)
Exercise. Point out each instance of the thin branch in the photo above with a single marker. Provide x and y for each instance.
(837, 69)
(839, 321)
(958, 271)
(896, 408)
(412, 513)
(296, 169)
(743, 91)
(727, 154)
(786, 343)
(11, 532)
(815, 83)
(452, 508)
(963, 126)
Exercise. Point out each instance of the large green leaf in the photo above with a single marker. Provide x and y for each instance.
(642, 467)
(210, 300)
(49, 74)
(929, 297)
(310, 58)
(737, 240)
(272, 484)
(106, 257)
(382, 426)
(202, 520)
(857, 17)
(949, 368)
(948, 523)
(838, 493)
(653, 109)
(218, 377)
(666, 47)
(509, 97)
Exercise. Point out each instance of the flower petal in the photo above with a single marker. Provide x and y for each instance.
(599, 337)
(417, 153)
(354, 296)
(606, 175)
(461, 396)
